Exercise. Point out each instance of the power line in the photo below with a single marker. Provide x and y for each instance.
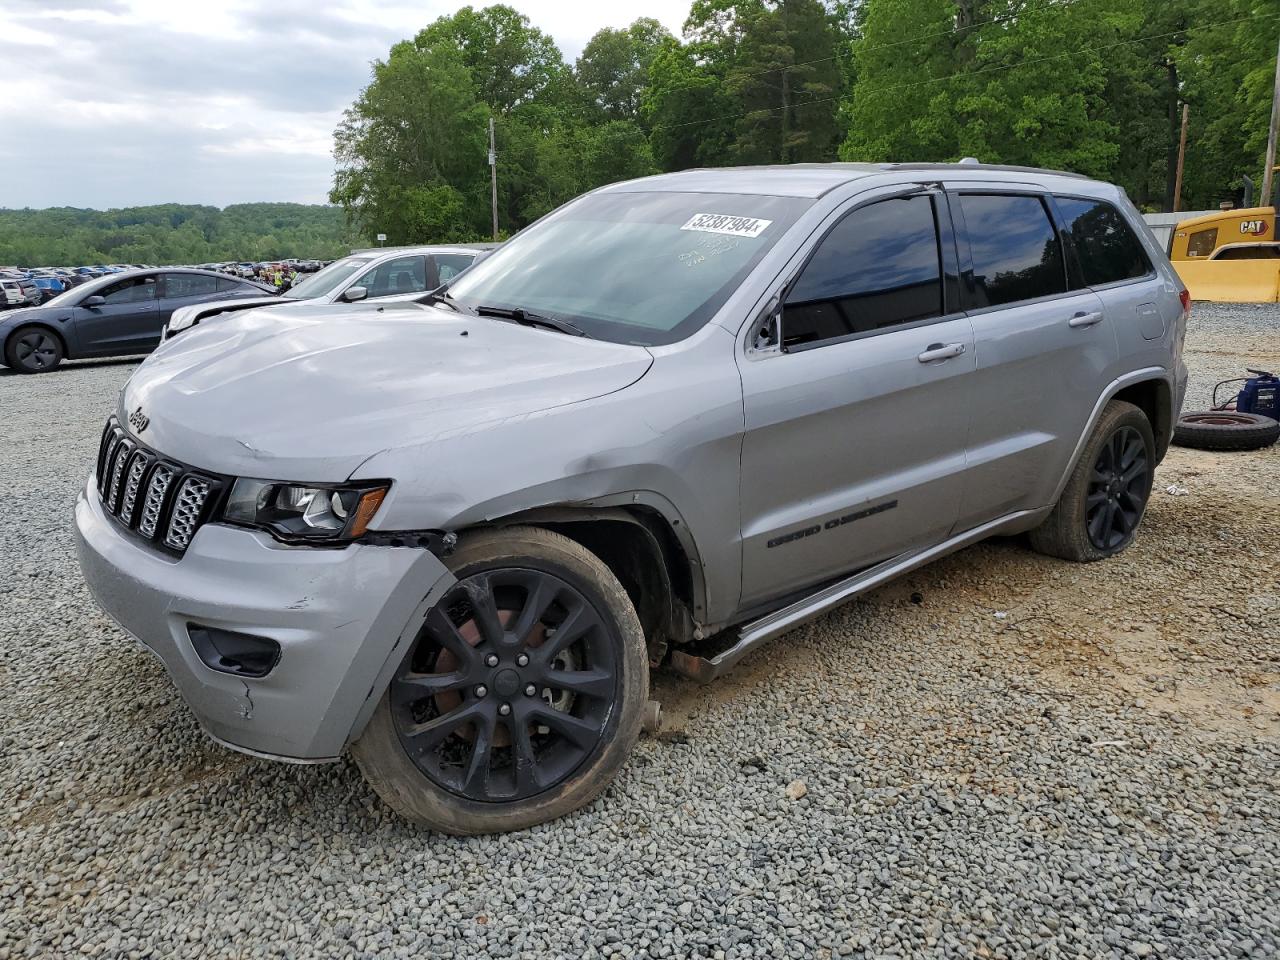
(973, 73)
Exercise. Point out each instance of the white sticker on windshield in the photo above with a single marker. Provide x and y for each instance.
(723, 223)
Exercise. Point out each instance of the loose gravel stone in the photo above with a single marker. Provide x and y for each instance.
(1094, 774)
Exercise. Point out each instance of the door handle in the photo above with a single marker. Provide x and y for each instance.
(1083, 319)
(941, 351)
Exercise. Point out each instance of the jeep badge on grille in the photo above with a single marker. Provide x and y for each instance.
(138, 420)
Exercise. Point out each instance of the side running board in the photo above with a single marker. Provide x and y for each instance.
(757, 632)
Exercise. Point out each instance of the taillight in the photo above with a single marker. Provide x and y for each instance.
(1185, 297)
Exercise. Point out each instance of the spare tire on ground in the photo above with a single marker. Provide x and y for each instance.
(1225, 430)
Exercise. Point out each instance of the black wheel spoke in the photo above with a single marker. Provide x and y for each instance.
(540, 593)
(476, 779)
(430, 684)
(525, 760)
(579, 620)
(432, 731)
(484, 608)
(1137, 468)
(589, 683)
(581, 732)
(445, 632)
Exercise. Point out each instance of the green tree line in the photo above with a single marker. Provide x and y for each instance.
(1092, 86)
(171, 233)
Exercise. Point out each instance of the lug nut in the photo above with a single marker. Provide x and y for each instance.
(481, 690)
(505, 709)
(522, 660)
(530, 690)
(491, 660)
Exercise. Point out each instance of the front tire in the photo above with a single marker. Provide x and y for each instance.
(33, 350)
(1105, 498)
(521, 696)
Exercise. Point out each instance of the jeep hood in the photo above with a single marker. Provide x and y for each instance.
(303, 395)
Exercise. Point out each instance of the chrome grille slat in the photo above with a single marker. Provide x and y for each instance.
(137, 468)
(187, 507)
(154, 502)
(114, 485)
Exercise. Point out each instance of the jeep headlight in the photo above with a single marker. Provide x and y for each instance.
(305, 512)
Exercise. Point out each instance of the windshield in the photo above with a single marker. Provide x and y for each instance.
(646, 268)
(327, 280)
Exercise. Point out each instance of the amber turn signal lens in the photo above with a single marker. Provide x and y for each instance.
(368, 506)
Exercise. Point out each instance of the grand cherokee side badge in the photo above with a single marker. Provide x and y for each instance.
(138, 420)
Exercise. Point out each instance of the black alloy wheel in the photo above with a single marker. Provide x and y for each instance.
(33, 350)
(1118, 489)
(510, 687)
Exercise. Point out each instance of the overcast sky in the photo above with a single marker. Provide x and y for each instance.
(110, 103)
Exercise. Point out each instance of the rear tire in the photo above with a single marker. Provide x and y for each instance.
(33, 350)
(459, 742)
(1225, 430)
(1106, 495)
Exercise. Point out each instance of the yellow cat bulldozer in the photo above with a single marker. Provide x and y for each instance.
(1232, 255)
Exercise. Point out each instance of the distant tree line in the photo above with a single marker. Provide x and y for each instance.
(1093, 86)
(171, 233)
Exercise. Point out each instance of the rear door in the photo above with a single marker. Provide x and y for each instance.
(182, 290)
(1044, 351)
(856, 422)
(125, 323)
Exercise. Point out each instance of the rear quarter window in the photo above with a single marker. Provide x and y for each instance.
(1105, 244)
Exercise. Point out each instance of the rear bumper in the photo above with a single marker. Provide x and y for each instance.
(342, 618)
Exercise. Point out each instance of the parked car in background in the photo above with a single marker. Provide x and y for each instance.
(115, 315)
(49, 287)
(385, 276)
(11, 294)
(667, 423)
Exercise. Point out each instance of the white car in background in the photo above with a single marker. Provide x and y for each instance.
(388, 276)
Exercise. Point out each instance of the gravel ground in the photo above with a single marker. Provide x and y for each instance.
(1035, 759)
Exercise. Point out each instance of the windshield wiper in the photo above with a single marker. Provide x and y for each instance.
(522, 316)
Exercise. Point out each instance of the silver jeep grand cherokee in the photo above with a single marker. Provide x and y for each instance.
(669, 421)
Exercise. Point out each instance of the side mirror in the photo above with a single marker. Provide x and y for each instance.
(94, 301)
(352, 294)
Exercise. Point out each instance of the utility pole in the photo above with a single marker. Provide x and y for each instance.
(1269, 169)
(493, 179)
(1182, 156)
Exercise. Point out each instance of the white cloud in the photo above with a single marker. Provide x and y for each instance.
(153, 101)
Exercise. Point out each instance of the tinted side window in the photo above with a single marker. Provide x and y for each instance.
(133, 290)
(1105, 244)
(401, 275)
(188, 285)
(1016, 252)
(452, 264)
(879, 267)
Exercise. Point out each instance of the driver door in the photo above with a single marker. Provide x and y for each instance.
(857, 420)
(125, 323)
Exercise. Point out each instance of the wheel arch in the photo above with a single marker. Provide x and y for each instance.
(1154, 397)
(1139, 382)
(644, 549)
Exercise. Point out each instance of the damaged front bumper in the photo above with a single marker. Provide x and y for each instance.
(342, 619)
